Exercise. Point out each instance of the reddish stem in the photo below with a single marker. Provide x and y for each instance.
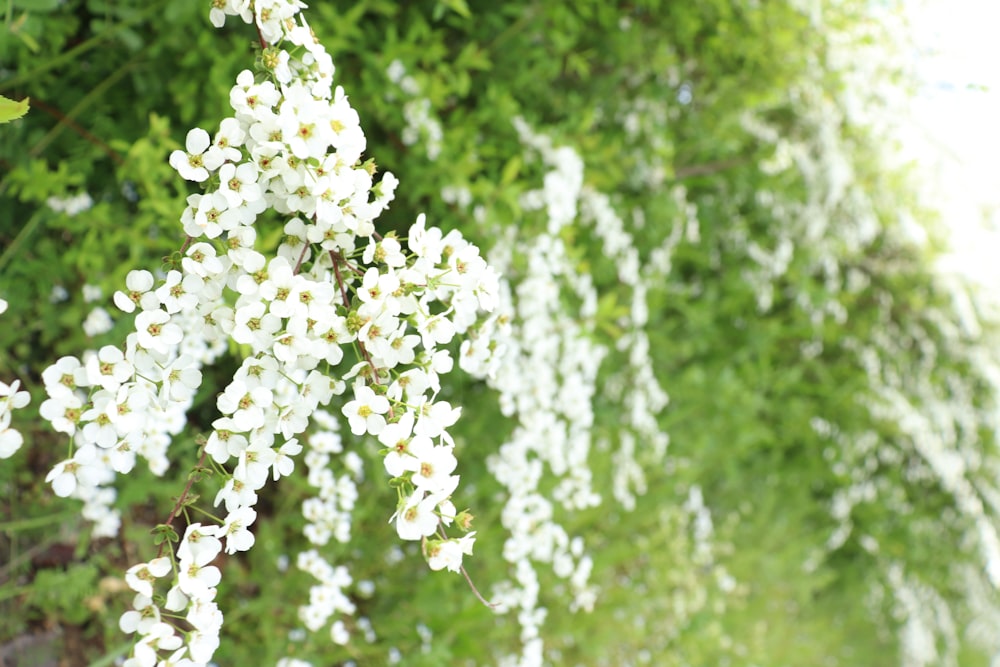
(302, 257)
(76, 127)
(336, 258)
(180, 500)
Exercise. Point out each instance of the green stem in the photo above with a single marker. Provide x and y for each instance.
(211, 516)
(35, 522)
(22, 236)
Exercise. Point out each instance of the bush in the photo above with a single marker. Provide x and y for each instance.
(597, 203)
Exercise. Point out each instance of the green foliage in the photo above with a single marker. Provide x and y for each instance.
(116, 85)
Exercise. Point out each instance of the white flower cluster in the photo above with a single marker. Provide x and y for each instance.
(293, 146)
(422, 126)
(116, 406)
(329, 515)
(72, 205)
(929, 633)
(329, 511)
(326, 598)
(10, 399)
(547, 375)
(645, 398)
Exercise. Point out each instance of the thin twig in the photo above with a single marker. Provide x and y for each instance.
(335, 258)
(302, 257)
(475, 591)
(181, 498)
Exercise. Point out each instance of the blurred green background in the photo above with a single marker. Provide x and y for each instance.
(827, 401)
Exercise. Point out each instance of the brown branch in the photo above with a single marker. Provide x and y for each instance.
(181, 498)
(302, 257)
(336, 257)
(260, 35)
(468, 579)
(76, 127)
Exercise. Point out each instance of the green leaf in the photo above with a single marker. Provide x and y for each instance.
(12, 109)
(458, 6)
(510, 170)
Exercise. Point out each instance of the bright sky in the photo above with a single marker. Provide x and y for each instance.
(958, 112)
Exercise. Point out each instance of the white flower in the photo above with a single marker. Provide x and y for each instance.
(279, 290)
(97, 322)
(415, 517)
(435, 463)
(255, 463)
(156, 332)
(230, 136)
(200, 544)
(181, 379)
(203, 644)
(62, 377)
(339, 634)
(448, 554)
(208, 215)
(91, 293)
(63, 412)
(176, 600)
(425, 243)
(140, 577)
(191, 165)
(161, 637)
(108, 368)
(177, 659)
(10, 399)
(259, 372)
(10, 441)
(255, 327)
(246, 405)
(396, 437)
(141, 618)
(235, 494)
(248, 99)
(435, 418)
(63, 478)
(205, 616)
(197, 579)
(238, 184)
(179, 291)
(201, 260)
(284, 464)
(226, 440)
(435, 330)
(138, 283)
(377, 290)
(236, 529)
(99, 428)
(364, 413)
(398, 348)
(388, 250)
(301, 120)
